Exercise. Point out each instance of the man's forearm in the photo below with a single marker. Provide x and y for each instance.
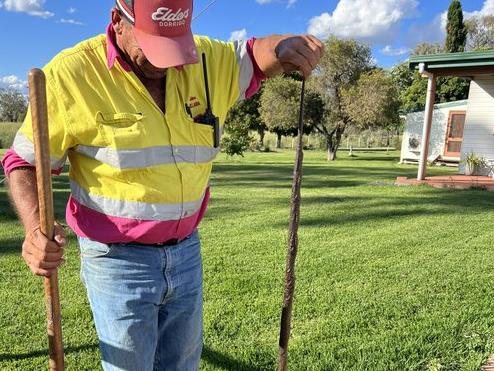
(264, 51)
(24, 196)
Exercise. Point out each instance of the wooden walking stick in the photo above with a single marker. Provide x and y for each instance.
(39, 114)
(286, 313)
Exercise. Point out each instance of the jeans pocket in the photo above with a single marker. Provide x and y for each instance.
(94, 249)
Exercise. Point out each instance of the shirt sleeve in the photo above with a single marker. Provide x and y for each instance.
(232, 71)
(258, 76)
(250, 76)
(22, 151)
(12, 160)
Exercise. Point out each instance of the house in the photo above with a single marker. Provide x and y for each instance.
(477, 124)
(446, 135)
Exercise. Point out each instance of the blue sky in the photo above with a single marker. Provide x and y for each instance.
(35, 30)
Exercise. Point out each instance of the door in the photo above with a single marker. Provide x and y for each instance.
(454, 134)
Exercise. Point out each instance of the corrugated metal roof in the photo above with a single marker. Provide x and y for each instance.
(453, 60)
(452, 104)
(456, 103)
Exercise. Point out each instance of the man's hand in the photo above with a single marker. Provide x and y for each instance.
(288, 53)
(42, 255)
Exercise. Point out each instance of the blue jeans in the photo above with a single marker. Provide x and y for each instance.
(146, 303)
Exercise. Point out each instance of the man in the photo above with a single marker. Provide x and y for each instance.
(127, 108)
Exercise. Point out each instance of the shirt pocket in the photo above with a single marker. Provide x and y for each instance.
(202, 134)
(121, 130)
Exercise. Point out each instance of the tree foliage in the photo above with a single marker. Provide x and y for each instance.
(480, 32)
(13, 105)
(367, 106)
(339, 69)
(237, 140)
(280, 106)
(456, 30)
(428, 48)
(243, 117)
(412, 87)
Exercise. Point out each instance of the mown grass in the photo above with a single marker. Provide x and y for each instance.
(389, 278)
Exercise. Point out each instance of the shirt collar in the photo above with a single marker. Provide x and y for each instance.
(112, 51)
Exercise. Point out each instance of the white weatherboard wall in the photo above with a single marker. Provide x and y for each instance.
(414, 125)
(478, 136)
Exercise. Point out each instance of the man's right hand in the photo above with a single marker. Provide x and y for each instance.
(42, 255)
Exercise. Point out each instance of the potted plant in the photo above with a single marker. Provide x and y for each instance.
(473, 163)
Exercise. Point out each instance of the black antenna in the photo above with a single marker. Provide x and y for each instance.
(209, 118)
(205, 72)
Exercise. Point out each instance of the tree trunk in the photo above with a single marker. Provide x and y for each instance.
(278, 141)
(331, 154)
(333, 142)
(261, 137)
(331, 148)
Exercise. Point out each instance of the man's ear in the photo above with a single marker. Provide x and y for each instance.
(117, 21)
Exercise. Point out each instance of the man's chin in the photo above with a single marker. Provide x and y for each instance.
(153, 73)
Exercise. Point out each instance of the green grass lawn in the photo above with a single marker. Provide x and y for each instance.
(389, 278)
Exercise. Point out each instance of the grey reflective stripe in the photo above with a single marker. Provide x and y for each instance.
(152, 156)
(134, 209)
(246, 67)
(25, 149)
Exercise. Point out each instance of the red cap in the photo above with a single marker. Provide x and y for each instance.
(162, 29)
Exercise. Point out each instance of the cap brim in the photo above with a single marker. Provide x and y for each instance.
(165, 52)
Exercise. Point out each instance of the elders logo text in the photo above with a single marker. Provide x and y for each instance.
(168, 18)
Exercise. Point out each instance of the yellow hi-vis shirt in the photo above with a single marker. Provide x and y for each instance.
(129, 161)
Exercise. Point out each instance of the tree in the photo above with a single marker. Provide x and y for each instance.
(237, 140)
(427, 48)
(367, 106)
(455, 29)
(412, 87)
(248, 111)
(242, 117)
(13, 105)
(480, 32)
(339, 69)
(280, 105)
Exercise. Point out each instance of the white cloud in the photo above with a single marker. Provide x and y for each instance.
(71, 21)
(487, 8)
(71, 10)
(288, 5)
(12, 82)
(388, 50)
(435, 31)
(370, 20)
(238, 35)
(31, 7)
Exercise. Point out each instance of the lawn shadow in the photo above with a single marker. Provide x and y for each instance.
(314, 176)
(11, 246)
(44, 352)
(208, 355)
(226, 362)
(434, 202)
